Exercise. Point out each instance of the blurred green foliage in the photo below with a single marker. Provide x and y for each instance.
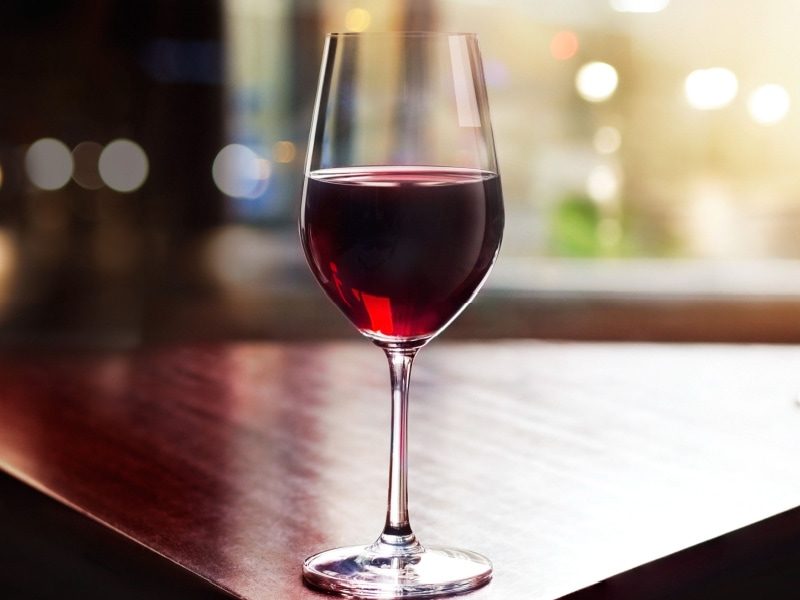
(575, 229)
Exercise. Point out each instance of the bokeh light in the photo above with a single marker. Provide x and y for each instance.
(639, 6)
(239, 172)
(607, 140)
(284, 152)
(48, 163)
(496, 73)
(357, 19)
(564, 45)
(768, 104)
(710, 89)
(123, 165)
(603, 184)
(596, 81)
(86, 159)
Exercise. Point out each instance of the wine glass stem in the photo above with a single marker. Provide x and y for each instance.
(397, 531)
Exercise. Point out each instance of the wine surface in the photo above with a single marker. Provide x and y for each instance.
(401, 250)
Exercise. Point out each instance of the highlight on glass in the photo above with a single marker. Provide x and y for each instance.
(401, 222)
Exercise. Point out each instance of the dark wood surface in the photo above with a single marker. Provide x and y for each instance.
(566, 463)
(50, 551)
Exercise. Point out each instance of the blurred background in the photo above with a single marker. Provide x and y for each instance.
(151, 156)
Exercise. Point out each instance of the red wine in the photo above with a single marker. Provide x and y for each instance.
(401, 250)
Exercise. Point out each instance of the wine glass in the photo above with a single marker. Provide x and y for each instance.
(401, 221)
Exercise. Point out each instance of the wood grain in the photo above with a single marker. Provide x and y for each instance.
(566, 463)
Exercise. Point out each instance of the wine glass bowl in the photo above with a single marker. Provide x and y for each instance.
(401, 221)
(402, 250)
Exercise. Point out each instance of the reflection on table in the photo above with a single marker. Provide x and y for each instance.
(566, 463)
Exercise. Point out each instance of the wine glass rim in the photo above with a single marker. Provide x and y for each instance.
(401, 33)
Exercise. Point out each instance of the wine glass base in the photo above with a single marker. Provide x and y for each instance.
(361, 572)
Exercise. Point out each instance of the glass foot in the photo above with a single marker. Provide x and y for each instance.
(363, 572)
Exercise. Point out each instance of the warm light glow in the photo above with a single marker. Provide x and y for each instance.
(8, 255)
(48, 163)
(709, 89)
(1, 176)
(564, 45)
(596, 81)
(123, 165)
(602, 185)
(284, 152)
(607, 140)
(239, 172)
(768, 104)
(357, 19)
(714, 223)
(86, 158)
(9, 262)
(639, 6)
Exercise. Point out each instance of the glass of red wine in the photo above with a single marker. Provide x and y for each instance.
(401, 221)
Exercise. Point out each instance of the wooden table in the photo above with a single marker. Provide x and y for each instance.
(566, 463)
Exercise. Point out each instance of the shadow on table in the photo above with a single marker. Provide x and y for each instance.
(761, 561)
(50, 552)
